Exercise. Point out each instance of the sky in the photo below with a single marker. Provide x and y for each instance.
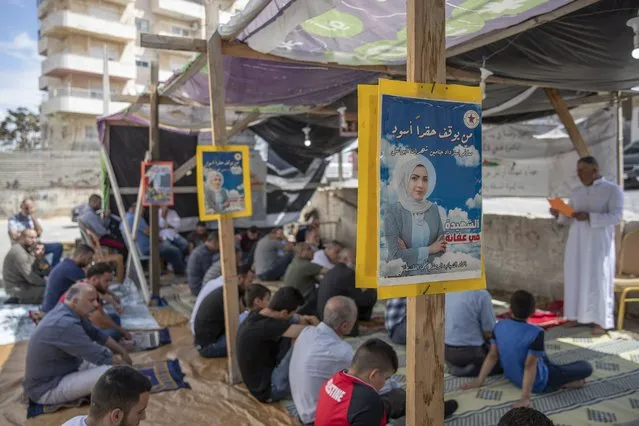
(19, 59)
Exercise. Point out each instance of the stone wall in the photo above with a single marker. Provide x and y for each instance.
(57, 180)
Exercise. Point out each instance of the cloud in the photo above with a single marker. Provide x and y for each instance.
(22, 47)
(453, 256)
(474, 203)
(240, 187)
(457, 215)
(19, 83)
(236, 170)
(466, 156)
(393, 268)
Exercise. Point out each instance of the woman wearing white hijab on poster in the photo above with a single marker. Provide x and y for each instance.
(412, 226)
(217, 198)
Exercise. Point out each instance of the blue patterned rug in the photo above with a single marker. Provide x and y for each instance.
(164, 376)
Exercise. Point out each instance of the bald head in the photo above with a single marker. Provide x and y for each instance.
(82, 298)
(340, 314)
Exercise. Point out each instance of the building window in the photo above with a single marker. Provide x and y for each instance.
(142, 63)
(181, 31)
(142, 25)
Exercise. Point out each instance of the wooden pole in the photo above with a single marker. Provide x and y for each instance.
(569, 123)
(225, 224)
(426, 63)
(619, 229)
(127, 232)
(154, 150)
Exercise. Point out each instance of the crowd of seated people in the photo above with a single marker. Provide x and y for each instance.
(289, 344)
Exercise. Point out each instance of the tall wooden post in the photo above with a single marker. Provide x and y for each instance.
(569, 123)
(225, 225)
(425, 63)
(154, 150)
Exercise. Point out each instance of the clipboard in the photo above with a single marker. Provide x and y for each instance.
(563, 208)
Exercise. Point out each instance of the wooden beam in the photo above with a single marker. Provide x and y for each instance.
(501, 34)
(154, 150)
(143, 99)
(237, 127)
(425, 63)
(194, 68)
(225, 224)
(563, 112)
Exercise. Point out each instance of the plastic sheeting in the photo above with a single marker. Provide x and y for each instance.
(588, 49)
(370, 32)
(210, 401)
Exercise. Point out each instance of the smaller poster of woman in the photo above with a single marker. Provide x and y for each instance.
(223, 181)
(157, 183)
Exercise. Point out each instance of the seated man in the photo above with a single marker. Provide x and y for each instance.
(340, 281)
(88, 217)
(262, 339)
(312, 225)
(200, 261)
(41, 267)
(327, 258)
(169, 222)
(168, 251)
(519, 347)
(468, 329)
(215, 270)
(256, 298)
(99, 276)
(270, 265)
(249, 238)
(395, 320)
(26, 219)
(65, 274)
(66, 354)
(207, 320)
(119, 397)
(304, 275)
(198, 236)
(352, 397)
(21, 281)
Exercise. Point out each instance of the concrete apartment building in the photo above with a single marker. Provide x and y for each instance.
(72, 37)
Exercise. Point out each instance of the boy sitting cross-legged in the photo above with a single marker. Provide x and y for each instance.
(519, 347)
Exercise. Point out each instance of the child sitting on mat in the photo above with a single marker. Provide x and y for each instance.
(519, 347)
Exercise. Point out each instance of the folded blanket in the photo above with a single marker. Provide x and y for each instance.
(164, 376)
(543, 319)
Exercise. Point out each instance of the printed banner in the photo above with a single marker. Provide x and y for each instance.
(223, 181)
(157, 183)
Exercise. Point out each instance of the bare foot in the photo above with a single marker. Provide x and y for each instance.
(571, 324)
(577, 384)
(598, 331)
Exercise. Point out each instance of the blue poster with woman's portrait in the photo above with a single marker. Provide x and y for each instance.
(223, 181)
(430, 190)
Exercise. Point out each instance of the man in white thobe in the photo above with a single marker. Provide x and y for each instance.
(589, 263)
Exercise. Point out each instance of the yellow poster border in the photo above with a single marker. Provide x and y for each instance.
(368, 220)
(246, 180)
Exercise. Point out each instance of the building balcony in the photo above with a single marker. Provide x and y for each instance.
(192, 10)
(78, 101)
(63, 63)
(65, 22)
(43, 45)
(44, 82)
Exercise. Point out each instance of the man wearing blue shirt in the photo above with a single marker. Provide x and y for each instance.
(168, 251)
(26, 219)
(468, 329)
(519, 347)
(66, 354)
(65, 274)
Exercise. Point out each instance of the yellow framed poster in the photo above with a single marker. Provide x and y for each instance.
(223, 181)
(419, 228)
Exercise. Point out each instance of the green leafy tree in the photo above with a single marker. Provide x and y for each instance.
(21, 127)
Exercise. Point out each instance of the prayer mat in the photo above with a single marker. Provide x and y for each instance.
(543, 319)
(611, 395)
(147, 340)
(164, 375)
(179, 297)
(168, 317)
(16, 323)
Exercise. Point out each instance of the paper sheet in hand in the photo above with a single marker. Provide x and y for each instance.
(559, 205)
